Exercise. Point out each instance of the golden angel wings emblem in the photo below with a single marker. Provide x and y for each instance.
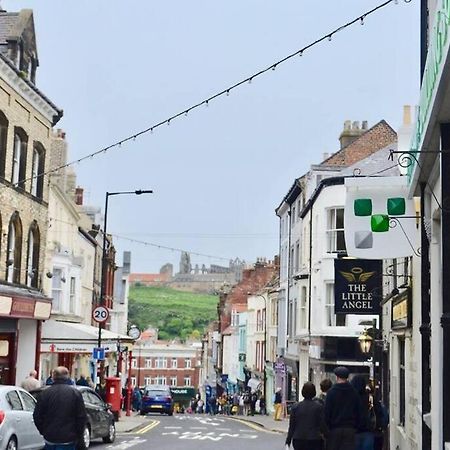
(356, 275)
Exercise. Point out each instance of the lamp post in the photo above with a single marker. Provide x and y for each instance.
(104, 264)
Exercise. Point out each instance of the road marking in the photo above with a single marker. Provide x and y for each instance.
(173, 428)
(127, 444)
(199, 428)
(223, 429)
(148, 427)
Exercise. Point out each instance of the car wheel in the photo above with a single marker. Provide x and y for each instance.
(87, 437)
(111, 434)
(142, 412)
(12, 444)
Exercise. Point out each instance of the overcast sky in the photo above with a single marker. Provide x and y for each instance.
(116, 67)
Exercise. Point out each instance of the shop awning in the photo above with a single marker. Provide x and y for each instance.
(254, 384)
(24, 303)
(69, 337)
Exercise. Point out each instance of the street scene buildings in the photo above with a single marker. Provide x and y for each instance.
(359, 278)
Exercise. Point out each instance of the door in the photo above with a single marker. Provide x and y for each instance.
(29, 403)
(101, 412)
(7, 341)
(21, 426)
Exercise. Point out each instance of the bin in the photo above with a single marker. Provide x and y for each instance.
(113, 395)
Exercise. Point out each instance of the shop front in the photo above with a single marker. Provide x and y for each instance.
(21, 315)
(72, 345)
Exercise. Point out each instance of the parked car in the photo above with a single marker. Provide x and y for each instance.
(100, 418)
(17, 429)
(157, 399)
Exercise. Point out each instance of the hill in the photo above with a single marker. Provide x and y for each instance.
(176, 314)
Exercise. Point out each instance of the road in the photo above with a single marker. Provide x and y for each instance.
(184, 432)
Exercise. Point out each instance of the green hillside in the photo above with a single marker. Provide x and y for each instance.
(177, 314)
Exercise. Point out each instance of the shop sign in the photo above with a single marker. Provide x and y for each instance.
(242, 357)
(69, 347)
(26, 308)
(357, 286)
(437, 55)
(401, 310)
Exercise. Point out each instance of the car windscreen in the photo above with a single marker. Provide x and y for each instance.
(157, 393)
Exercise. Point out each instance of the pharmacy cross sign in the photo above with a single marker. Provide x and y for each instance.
(379, 218)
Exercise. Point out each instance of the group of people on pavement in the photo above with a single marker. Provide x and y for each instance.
(346, 416)
(240, 403)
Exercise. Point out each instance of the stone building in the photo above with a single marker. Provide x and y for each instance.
(26, 120)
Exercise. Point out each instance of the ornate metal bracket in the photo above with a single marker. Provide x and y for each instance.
(407, 158)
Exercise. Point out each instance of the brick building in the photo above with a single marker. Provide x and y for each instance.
(26, 120)
(165, 363)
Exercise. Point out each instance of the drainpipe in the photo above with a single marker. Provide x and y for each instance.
(310, 283)
(425, 328)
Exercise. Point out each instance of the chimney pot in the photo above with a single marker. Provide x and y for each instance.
(347, 125)
(364, 125)
(355, 125)
(79, 196)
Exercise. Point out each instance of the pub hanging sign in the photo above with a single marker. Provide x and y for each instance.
(357, 286)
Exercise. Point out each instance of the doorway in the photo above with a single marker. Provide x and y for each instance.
(7, 341)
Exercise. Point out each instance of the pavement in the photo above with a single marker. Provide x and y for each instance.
(267, 422)
(131, 423)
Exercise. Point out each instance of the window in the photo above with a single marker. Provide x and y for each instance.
(14, 401)
(148, 364)
(303, 310)
(134, 363)
(331, 319)
(187, 381)
(174, 363)
(147, 381)
(160, 380)
(72, 295)
(161, 363)
(28, 401)
(297, 256)
(133, 381)
(401, 379)
(293, 215)
(335, 231)
(234, 318)
(33, 255)
(274, 310)
(37, 169)
(57, 289)
(19, 163)
(291, 261)
(14, 250)
(187, 363)
(3, 143)
(173, 381)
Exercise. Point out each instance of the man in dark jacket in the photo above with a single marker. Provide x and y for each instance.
(60, 414)
(342, 412)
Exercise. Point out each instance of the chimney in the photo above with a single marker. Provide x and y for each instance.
(126, 262)
(406, 115)
(79, 196)
(351, 132)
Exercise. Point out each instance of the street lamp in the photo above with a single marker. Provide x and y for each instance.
(367, 344)
(104, 262)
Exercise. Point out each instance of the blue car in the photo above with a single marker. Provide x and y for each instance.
(157, 399)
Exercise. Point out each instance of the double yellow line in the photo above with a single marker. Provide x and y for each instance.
(150, 426)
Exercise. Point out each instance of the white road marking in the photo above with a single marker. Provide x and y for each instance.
(173, 428)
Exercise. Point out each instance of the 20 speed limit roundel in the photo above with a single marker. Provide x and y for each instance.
(100, 314)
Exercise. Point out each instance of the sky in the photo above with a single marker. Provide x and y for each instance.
(117, 67)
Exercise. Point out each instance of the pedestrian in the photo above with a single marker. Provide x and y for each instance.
(342, 412)
(278, 404)
(31, 382)
(253, 400)
(200, 406)
(49, 380)
(262, 406)
(325, 386)
(60, 414)
(364, 439)
(307, 426)
(82, 381)
(137, 399)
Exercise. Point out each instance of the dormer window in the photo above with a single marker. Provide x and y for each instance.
(19, 57)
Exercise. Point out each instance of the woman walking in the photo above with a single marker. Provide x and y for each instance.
(307, 427)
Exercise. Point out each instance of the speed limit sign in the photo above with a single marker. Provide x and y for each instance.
(100, 314)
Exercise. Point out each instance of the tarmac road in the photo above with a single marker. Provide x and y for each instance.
(186, 432)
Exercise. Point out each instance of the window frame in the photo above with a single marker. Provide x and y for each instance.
(334, 234)
(14, 249)
(19, 158)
